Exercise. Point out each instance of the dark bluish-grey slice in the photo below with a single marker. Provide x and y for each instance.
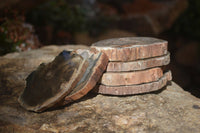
(50, 83)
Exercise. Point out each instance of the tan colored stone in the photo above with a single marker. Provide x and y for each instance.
(160, 112)
(131, 48)
(131, 78)
(138, 65)
(134, 89)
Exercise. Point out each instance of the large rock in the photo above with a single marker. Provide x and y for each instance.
(169, 110)
(151, 16)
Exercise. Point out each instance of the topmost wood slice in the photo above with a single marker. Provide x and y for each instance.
(131, 48)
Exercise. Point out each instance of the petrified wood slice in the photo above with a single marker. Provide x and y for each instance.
(51, 82)
(131, 78)
(139, 64)
(131, 48)
(134, 89)
(97, 65)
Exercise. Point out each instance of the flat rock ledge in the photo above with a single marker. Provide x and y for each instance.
(169, 110)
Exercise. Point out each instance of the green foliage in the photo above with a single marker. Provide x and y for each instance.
(67, 15)
(6, 44)
(188, 23)
(12, 35)
(58, 14)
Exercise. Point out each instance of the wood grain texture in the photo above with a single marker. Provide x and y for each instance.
(87, 83)
(139, 64)
(131, 78)
(131, 48)
(134, 89)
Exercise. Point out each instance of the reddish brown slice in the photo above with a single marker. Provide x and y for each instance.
(134, 89)
(131, 48)
(97, 65)
(138, 65)
(131, 78)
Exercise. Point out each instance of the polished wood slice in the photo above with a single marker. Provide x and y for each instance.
(134, 89)
(131, 48)
(97, 65)
(131, 78)
(51, 82)
(139, 64)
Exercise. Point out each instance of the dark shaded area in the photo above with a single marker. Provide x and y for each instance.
(50, 81)
(184, 45)
(44, 22)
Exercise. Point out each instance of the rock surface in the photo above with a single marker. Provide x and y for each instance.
(169, 110)
(131, 78)
(139, 64)
(131, 48)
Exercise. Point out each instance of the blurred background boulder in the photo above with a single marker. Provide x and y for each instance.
(27, 25)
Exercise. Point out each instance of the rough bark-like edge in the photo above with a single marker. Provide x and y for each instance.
(93, 79)
(58, 97)
(131, 78)
(139, 64)
(134, 89)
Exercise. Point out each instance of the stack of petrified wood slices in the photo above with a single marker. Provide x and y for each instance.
(135, 65)
(121, 66)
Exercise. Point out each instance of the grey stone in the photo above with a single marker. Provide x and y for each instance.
(169, 110)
